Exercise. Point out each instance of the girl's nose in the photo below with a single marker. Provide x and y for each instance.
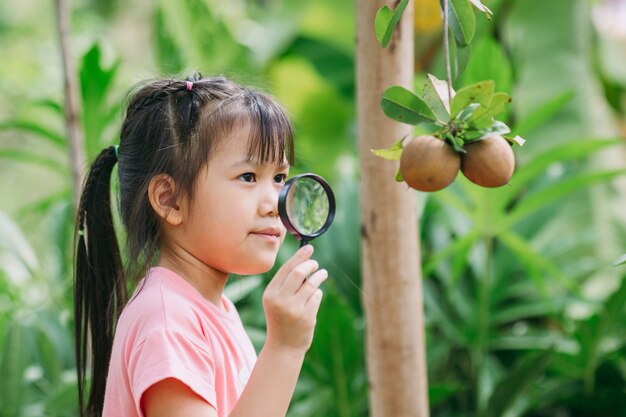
(268, 205)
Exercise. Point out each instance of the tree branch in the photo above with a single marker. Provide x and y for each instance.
(72, 111)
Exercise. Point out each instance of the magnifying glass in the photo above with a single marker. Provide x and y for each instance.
(306, 205)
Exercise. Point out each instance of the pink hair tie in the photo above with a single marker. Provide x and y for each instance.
(189, 85)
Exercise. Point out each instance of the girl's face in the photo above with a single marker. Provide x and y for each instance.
(233, 225)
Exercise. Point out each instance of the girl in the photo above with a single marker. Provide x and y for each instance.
(200, 163)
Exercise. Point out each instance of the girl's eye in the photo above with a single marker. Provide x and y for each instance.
(280, 178)
(248, 177)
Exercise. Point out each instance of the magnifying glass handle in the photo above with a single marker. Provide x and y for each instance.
(304, 242)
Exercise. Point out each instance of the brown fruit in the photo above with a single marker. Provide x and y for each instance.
(429, 164)
(488, 162)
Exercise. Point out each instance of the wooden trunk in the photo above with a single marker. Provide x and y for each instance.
(392, 285)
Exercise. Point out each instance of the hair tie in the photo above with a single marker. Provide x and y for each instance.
(189, 85)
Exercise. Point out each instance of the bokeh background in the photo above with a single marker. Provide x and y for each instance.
(525, 312)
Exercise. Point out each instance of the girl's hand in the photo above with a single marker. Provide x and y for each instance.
(292, 300)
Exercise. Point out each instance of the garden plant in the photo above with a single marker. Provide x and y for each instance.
(524, 312)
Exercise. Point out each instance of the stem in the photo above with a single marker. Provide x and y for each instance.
(484, 320)
(77, 152)
(446, 48)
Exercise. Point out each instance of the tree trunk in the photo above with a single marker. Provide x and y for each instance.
(76, 145)
(396, 357)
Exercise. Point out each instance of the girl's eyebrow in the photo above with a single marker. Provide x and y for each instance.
(256, 164)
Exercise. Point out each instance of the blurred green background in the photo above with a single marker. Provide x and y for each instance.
(525, 314)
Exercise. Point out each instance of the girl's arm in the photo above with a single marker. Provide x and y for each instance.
(291, 302)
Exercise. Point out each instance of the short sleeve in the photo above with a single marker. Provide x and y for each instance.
(169, 354)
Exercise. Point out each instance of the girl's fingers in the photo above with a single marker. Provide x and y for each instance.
(311, 285)
(283, 273)
(298, 275)
(314, 302)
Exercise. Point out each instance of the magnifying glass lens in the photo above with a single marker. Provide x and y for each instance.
(307, 206)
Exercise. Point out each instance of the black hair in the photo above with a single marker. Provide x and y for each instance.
(171, 127)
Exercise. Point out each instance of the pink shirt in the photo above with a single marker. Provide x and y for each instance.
(168, 330)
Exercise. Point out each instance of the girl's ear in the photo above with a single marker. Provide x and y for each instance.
(164, 200)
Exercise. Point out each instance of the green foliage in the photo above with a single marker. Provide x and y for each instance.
(386, 22)
(393, 153)
(100, 111)
(402, 105)
(333, 64)
(435, 94)
(462, 21)
(512, 329)
(513, 386)
(469, 117)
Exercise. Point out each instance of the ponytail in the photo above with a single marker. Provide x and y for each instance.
(100, 289)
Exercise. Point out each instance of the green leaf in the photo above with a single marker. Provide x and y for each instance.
(536, 340)
(96, 83)
(334, 64)
(526, 371)
(443, 313)
(556, 191)
(488, 61)
(460, 58)
(63, 401)
(52, 105)
(483, 116)
(462, 21)
(477, 3)
(13, 362)
(568, 151)
(47, 354)
(393, 153)
(496, 128)
(597, 328)
(472, 135)
(481, 92)
(437, 394)
(35, 129)
(386, 22)
(543, 113)
(456, 142)
(528, 309)
(399, 176)
(382, 22)
(15, 243)
(536, 264)
(620, 261)
(467, 112)
(167, 52)
(454, 247)
(402, 105)
(32, 158)
(435, 94)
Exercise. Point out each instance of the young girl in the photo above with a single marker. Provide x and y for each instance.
(201, 163)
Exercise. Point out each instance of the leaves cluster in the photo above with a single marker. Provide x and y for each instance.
(460, 15)
(457, 118)
(469, 117)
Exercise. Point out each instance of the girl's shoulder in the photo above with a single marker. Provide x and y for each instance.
(163, 299)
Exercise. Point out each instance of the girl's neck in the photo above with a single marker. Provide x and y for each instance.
(208, 281)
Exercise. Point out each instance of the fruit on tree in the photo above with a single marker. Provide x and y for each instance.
(429, 164)
(488, 162)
